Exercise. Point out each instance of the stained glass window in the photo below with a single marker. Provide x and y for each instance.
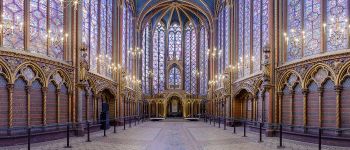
(337, 24)
(174, 78)
(42, 35)
(56, 29)
(13, 12)
(145, 59)
(240, 38)
(247, 37)
(175, 42)
(158, 58)
(97, 32)
(39, 33)
(294, 30)
(203, 59)
(190, 59)
(227, 36)
(93, 35)
(256, 35)
(124, 47)
(312, 27)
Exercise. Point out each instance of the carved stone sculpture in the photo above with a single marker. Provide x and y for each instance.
(84, 65)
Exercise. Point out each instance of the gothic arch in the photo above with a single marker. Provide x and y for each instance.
(57, 75)
(285, 77)
(5, 72)
(343, 73)
(36, 73)
(313, 75)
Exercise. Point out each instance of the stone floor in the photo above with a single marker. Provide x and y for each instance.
(177, 135)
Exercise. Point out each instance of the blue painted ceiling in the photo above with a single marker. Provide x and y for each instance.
(180, 11)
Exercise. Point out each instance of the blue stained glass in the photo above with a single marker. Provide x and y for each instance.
(124, 34)
(93, 35)
(13, 12)
(190, 59)
(145, 60)
(294, 30)
(175, 42)
(337, 24)
(203, 59)
(247, 22)
(103, 35)
(174, 78)
(158, 58)
(240, 38)
(256, 35)
(38, 19)
(109, 50)
(227, 36)
(85, 34)
(56, 27)
(312, 27)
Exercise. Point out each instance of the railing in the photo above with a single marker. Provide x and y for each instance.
(278, 127)
(69, 126)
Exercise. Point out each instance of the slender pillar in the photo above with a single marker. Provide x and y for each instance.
(338, 103)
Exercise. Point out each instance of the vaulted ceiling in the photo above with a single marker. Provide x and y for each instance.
(199, 12)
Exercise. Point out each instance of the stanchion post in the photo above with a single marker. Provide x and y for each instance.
(319, 138)
(124, 122)
(135, 120)
(88, 132)
(234, 127)
(281, 138)
(68, 145)
(129, 122)
(29, 136)
(104, 129)
(260, 132)
(114, 125)
(244, 129)
(225, 123)
(219, 121)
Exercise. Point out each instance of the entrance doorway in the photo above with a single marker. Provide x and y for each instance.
(174, 107)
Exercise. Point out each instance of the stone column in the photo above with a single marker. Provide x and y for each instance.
(58, 93)
(10, 88)
(320, 93)
(28, 89)
(338, 103)
(305, 92)
(156, 109)
(44, 92)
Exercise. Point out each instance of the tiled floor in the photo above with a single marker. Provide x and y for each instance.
(173, 136)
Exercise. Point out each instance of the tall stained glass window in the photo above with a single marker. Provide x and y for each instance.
(38, 29)
(227, 37)
(247, 30)
(145, 59)
(203, 61)
(294, 30)
(240, 38)
(174, 78)
(190, 59)
(158, 58)
(253, 31)
(175, 42)
(13, 12)
(97, 33)
(337, 24)
(312, 27)
(47, 40)
(256, 35)
(56, 29)
(305, 27)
